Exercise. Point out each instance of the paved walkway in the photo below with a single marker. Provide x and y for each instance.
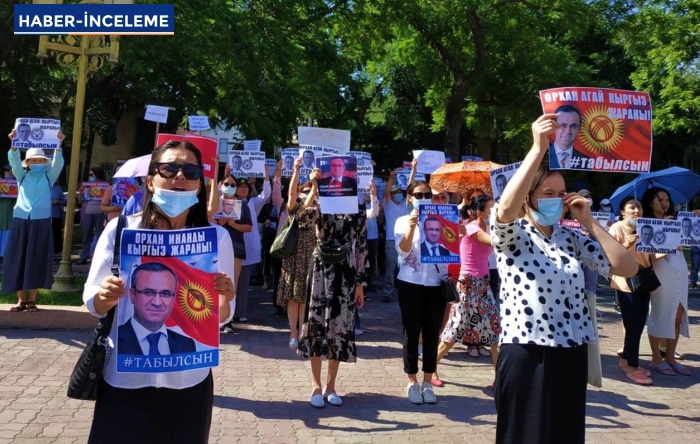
(262, 390)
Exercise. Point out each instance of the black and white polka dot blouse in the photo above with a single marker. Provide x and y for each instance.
(542, 290)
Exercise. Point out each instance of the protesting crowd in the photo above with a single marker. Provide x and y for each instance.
(173, 248)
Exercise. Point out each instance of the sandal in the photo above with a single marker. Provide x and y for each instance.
(624, 368)
(21, 306)
(473, 352)
(31, 306)
(682, 369)
(639, 377)
(662, 368)
(484, 352)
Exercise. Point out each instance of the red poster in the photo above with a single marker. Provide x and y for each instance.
(602, 129)
(206, 145)
(8, 188)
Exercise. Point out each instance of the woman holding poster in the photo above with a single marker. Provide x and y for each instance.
(336, 279)
(28, 260)
(420, 299)
(668, 317)
(542, 370)
(171, 407)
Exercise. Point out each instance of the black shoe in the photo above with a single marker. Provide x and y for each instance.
(386, 298)
(228, 328)
(81, 262)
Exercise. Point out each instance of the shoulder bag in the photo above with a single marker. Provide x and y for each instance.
(90, 368)
(286, 241)
(450, 294)
(645, 281)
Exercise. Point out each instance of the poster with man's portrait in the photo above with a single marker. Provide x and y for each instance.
(660, 236)
(690, 228)
(36, 133)
(8, 188)
(599, 129)
(168, 320)
(94, 190)
(439, 234)
(403, 176)
(365, 170)
(337, 188)
(500, 178)
(247, 163)
(288, 156)
(123, 189)
(230, 208)
(309, 154)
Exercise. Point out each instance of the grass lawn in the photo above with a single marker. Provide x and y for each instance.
(50, 297)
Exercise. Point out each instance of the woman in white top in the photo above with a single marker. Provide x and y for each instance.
(157, 407)
(542, 370)
(420, 299)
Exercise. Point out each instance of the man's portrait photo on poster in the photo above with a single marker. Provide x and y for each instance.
(562, 149)
(338, 176)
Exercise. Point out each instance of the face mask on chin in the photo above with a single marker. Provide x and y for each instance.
(548, 211)
(631, 221)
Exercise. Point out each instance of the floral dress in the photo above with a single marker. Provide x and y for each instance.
(329, 327)
(295, 269)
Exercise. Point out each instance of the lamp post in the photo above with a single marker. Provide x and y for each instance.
(88, 52)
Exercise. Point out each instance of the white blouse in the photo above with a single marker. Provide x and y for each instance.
(252, 240)
(542, 288)
(410, 268)
(102, 267)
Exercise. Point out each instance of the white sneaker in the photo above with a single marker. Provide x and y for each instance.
(333, 399)
(293, 343)
(414, 393)
(359, 332)
(317, 401)
(428, 393)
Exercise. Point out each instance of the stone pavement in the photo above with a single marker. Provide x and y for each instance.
(262, 390)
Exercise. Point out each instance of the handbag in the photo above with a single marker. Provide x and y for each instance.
(645, 281)
(595, 366)
(90, 368)
(333, 254)
(450, 294)
(285, 243)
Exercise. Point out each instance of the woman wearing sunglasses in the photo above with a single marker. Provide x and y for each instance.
(130, 407)
(420, 299)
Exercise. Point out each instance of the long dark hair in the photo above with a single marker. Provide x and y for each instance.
(623, 204)
(648, 202)
(99, 173)
(197, 216)
(478, 204)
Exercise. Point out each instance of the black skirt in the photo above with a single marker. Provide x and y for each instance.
(153, 415)
(28, 261)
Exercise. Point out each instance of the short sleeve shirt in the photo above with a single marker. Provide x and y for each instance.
(542, 288)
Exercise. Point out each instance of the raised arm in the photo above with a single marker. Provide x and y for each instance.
(57, 162)
(516, 191)
(414, 167)
(373, 210)
(294, 187)
(389, 184)
(213, 203)
(277, 199)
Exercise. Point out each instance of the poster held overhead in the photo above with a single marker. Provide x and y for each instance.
(337, 188)
(331, 138)
(198, 123)
(156, 113)
(500, 178)
(428, 161)
(288, 155)
(365, 170)
(600, 129)
(36, 133)
(247, 164)
(252, 145)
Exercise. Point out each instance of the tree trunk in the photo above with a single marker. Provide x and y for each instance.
(484, 146)
(454, 118)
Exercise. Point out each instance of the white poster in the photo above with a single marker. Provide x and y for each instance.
(500, 178)
(603, 217)
(661, 236)
(36, 133)
(288, 156)
(403, 176)
(230, 208)
(247, 163)
(332, 138)
(156, 113)
(337, 187)
(271, 166)
(690, 228)
(428, 161)
(198, 123)
(252, 145)
(365, 170)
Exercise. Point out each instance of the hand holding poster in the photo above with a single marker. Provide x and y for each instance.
(439, 234)
(247, 164)
(428, 161)
(36, 133)
(169, 320)
(661, 236)
(337, 187)
(207, 146)
(365, 170)
(600, 129)
(230, 209)
(288, 155)
(690, 228)
(8, 188)
(331, 138)
(94, 190)
(500, 178)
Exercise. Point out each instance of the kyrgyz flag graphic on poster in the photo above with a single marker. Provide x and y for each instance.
(196, 301)
(449, 236)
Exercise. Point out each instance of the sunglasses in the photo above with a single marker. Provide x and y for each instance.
(428, 195)
(170, 170)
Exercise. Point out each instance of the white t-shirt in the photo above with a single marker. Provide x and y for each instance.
(392, 211)
(252, 240)
(544, 304)
(410, 268)
(102, 267)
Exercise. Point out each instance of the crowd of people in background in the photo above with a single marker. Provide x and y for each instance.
(524, 282)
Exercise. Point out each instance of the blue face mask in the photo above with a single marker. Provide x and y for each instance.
(631, 221)
(174, 203)
(398, 198)
(37, 168)
(548, 212)
(92, 179)
(228, 190)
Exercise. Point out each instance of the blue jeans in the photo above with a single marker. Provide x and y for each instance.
(694, 265)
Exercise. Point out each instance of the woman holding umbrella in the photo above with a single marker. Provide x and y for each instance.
(668, 317)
